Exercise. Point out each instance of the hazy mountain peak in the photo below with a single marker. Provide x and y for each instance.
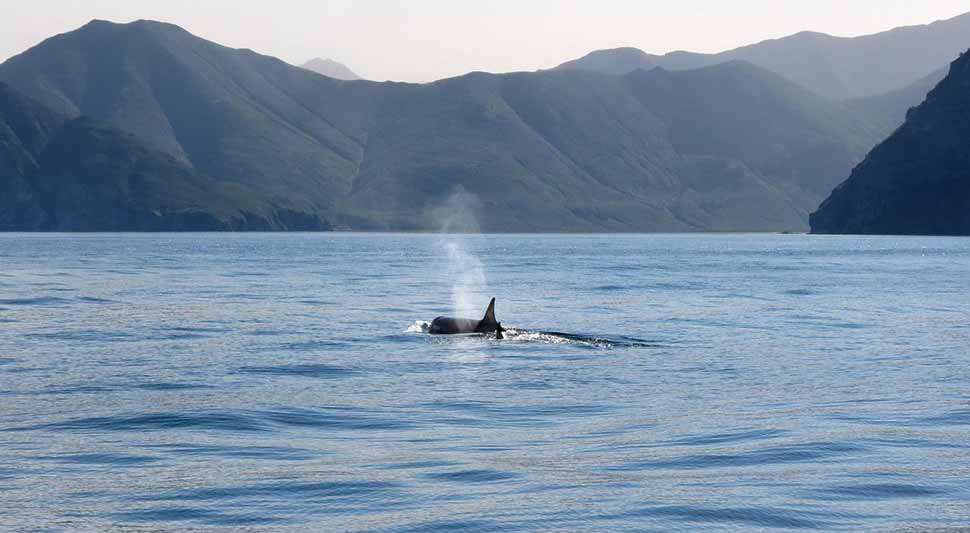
(808, 34)
(100, 24)
(613, 61)
(330, 68)
(838, 68)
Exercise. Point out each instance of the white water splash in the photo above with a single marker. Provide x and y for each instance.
(542, 337)
(419, 326)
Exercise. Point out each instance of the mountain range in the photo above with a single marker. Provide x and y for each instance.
(839, 68)
(330, 68)
(241, 140)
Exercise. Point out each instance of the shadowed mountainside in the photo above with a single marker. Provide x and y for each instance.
(918, 180)
(731, 147)
(82, 175)
(835, 67)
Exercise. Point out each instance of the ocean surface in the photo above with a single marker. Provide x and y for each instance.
(282, 382)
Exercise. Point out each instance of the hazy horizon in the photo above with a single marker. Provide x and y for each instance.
(384, 40)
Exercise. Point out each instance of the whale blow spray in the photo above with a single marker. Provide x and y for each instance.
(456, 219)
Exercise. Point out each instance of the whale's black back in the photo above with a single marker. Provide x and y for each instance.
(444, 325)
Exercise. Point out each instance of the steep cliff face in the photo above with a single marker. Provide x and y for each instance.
(918, 180)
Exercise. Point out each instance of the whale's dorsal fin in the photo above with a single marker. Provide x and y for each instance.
(490, 313)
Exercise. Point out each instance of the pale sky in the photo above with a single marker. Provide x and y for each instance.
(424, 40)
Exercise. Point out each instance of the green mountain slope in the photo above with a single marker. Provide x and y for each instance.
(231, 114)
(539, 153)
(794, 145)
(82, 175)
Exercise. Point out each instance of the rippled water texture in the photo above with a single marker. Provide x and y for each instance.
(667, 383)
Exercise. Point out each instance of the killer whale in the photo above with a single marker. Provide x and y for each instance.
(444, 325)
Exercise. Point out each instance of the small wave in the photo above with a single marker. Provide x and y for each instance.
(318, 490)
(797, 453)
(186, 333)
(472, 476)
(207, 505)
(319, 371)
(269, 333)
(119, 459)
(491, 414)
(235, 451)
(877, 491)
(41, 301)
(86, 335)
(188, 514)
(800, 292)
(93, 300)
(311, 346)
(80, 389)
(165, 386)
(778, 518)
(611, 288)
(727, 438)
(959, 417)
(443, 526)
(418, 465)
(161, 421)
(234, 421)
(903, 442)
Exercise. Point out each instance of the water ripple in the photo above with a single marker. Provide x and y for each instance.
(472, 476)
(746, 516)
(38, 301)
(242, 421)
(318, 371)
(237, 451)
(319, 490)
(796, 453)
(444, 526)
(111, 459)
(490, 414)
(876, 491)
(724, 438)
(223, 421)
(189, 514)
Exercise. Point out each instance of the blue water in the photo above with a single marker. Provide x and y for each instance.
(651, 383)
